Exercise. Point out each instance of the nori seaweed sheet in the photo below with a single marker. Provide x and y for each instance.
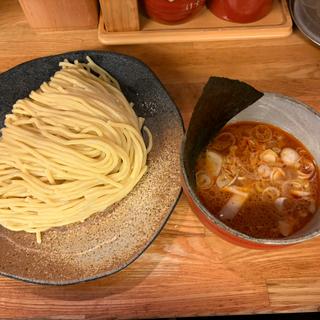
(220, 101)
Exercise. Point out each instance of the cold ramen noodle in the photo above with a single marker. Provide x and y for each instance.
(258, 180)
(71, 149)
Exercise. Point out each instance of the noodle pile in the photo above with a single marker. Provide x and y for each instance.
(72, 148)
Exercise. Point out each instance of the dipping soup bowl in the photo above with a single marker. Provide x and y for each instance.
(296, 118)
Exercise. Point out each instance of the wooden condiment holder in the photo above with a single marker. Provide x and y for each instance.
(120, 15)
(120, 23)
(54, 15)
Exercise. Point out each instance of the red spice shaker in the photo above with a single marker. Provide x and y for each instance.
(172, 11)
(242, 11)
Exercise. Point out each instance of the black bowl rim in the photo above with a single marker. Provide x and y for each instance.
(213, 220)
(160, 227)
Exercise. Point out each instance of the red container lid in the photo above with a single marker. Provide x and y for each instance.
(172, 11)
(243, 11)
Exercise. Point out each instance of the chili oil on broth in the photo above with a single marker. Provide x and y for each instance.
(258, 179)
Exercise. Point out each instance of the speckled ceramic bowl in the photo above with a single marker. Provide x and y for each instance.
(108, 241)
(301, 121)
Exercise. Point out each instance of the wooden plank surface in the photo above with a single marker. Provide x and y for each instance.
(187, 270)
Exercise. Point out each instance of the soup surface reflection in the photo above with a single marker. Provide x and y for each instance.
(258, 179)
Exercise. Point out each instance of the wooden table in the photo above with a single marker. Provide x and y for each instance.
(187, 271)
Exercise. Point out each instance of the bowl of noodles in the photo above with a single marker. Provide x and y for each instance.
(250, 165)
(89, 165)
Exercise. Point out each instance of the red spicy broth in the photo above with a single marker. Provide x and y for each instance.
(258, 179)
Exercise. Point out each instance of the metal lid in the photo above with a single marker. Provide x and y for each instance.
(306, 15)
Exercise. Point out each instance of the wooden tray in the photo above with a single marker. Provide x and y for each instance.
(204, 27)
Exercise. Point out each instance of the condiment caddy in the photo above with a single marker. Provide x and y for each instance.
(204, 26)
